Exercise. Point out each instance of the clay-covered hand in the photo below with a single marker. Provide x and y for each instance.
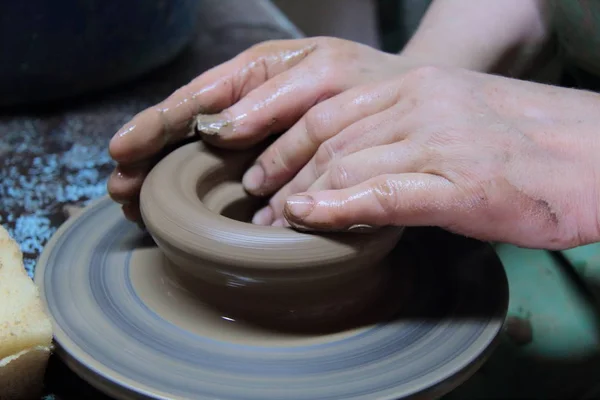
(264, 90)
(485, 156)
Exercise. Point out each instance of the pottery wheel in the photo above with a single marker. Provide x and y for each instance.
(126, 327)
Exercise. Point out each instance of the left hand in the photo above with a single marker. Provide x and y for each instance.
(262, 91)
(488, 157)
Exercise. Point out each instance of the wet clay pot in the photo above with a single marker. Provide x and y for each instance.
(194, 206)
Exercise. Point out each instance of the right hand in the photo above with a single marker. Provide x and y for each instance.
(263, 91)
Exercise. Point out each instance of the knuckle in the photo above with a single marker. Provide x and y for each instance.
(334, 65)
(261, 47)
(424, 73)
(339, 176)
(385, 192)
(254, 72)
(324, 156)
(274, 161)
(247, 58)
(329, 47)
(316, 123)
(330, 64)
(442, 139)
(329, 81)
(330, 55)
(328, 74)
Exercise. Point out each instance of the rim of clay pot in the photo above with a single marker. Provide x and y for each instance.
(177, 216)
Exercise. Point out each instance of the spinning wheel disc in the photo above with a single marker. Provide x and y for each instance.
(123, 325)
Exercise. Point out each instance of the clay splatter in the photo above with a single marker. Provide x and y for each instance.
(45, 164)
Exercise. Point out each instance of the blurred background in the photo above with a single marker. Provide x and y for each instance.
(52, 50)
(384, 24)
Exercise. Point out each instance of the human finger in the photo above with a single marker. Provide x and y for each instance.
(403, 200)
(125, 182)
(396, 158)
(209, 93)
(292, 150)
(386, 127)
(132, 211)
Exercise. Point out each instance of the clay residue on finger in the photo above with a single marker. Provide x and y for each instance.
(212, 125)
(523, 218)
(536, 208)
(544, 208)
(517, 201)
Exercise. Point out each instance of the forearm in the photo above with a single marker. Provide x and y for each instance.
(501, 36)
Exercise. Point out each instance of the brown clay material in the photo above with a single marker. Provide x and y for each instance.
(194, 206)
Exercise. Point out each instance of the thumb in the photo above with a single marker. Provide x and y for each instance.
(414, 199)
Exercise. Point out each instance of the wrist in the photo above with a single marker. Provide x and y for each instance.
(427, 55)
(504, 37)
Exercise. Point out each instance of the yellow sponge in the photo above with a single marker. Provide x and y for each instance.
(25, 329)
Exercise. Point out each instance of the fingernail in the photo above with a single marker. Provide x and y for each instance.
(298, 207)
(213, 125)
(263, 216)
(253, 178)
(361, 228)
(124, 131)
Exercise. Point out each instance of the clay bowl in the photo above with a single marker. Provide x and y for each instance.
(196, 210)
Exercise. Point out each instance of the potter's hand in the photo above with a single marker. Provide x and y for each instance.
(484, 156)
(262, 91)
